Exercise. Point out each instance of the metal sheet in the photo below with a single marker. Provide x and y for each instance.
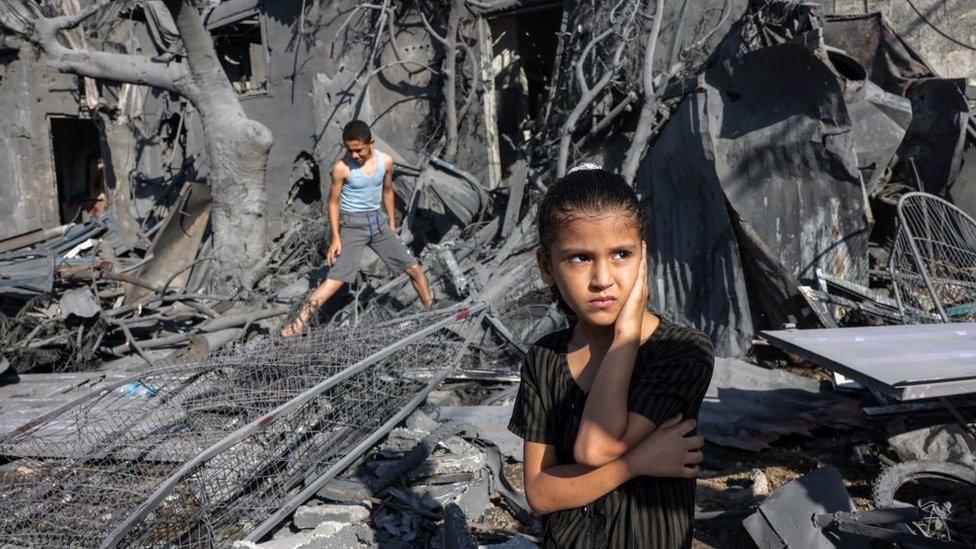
(906, 362)
(784, 153)
(748, 407)
(783, 520)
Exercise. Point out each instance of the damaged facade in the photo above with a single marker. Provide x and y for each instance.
(801, 165)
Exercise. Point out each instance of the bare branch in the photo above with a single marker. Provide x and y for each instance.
(391, 28)
(379, 32)
(566, 134)
(607, 120)
(450, 89)
(726, 10)
(427, 24)
(65, 22)
(675, 48)
(117, 67)
(649, 109)
(475, 82)
(580, 77)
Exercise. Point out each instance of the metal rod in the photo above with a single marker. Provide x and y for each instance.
(267, 419)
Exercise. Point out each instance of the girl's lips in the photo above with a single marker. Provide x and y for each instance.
(601, 303)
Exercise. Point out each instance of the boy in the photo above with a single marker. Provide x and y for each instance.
(361, 180)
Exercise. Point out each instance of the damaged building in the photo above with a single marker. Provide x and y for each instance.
(806, 175)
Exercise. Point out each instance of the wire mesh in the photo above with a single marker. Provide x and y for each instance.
(933, 261)
(198, 454)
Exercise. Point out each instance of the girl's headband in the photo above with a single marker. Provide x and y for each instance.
(584, 166)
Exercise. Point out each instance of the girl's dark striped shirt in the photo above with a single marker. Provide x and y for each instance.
(671, 373)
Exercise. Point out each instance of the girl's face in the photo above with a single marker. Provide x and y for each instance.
(593, 260)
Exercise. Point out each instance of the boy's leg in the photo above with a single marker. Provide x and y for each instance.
(355, 236)
(419, 282)
(319, 297)
(398, 258)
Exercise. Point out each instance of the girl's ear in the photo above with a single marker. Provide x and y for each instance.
(542, 259)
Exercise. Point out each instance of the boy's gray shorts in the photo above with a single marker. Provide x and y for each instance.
(360, 229)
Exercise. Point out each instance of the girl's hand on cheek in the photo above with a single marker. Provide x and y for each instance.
(630, 320)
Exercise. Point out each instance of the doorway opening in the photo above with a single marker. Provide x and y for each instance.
(78, 167)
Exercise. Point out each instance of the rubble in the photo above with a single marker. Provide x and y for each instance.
(806, 172)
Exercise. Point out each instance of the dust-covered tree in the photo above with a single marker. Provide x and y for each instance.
(237, 147)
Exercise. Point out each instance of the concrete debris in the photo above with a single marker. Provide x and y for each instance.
(949, 443)
(310, 515)
(474, 501)
(490, 423)
(327, 535)
(344, 491)
(80, 302)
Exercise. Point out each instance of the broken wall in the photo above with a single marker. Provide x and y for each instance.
(30, 95)
(319, 79)
(956, 18)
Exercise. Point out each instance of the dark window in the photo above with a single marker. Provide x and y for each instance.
(524, 50)
(241, 51)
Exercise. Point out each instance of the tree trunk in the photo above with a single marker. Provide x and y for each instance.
(238, 151)
(118, 144)
(237, 147)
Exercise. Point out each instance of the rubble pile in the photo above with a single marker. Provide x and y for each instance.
(807, 183)
(85, 297)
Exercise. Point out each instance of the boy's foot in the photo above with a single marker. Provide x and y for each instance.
(291, 329)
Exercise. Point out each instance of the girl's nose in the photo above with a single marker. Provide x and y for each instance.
(601, 276)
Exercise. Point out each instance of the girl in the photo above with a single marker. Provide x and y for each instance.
(609, 461)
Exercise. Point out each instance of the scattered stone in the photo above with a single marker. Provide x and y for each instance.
(441, 494)
(313, 515)
(446, 464)
(491, 423)
(938, 442)
(475, 500)
(419, 421)
(344, 491)
(400, 441)
(443, 397)
(327, 535)
(760, 483)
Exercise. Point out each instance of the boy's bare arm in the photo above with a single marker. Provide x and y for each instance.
(667, 452)
(339, 174)
(388, 194)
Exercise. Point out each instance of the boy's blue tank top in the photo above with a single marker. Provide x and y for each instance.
(362, 192)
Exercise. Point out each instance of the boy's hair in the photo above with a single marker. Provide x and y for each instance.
(357, 130)
(584, 192)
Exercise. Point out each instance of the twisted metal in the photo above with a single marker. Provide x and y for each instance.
(933, 261)
(201, 454)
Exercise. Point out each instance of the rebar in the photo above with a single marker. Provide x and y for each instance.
(202, 453)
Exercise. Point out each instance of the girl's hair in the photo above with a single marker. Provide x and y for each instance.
(584, 192)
